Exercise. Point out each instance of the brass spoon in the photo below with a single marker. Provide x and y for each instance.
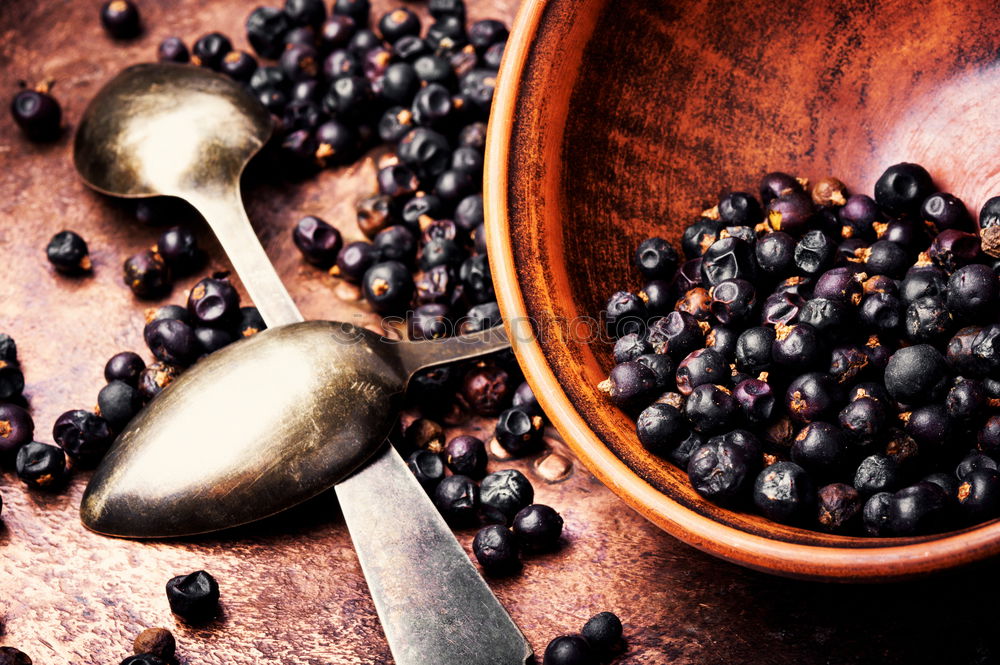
(277, 418)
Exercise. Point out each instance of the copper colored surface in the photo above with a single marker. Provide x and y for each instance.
(292, 589)
(619, 119)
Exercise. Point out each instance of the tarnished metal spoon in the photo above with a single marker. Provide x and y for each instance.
(283, 415)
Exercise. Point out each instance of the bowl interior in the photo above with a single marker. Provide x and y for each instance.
(621, 119)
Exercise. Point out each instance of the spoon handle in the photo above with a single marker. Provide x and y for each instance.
(434, 606)
(415, 356)
(228, 219)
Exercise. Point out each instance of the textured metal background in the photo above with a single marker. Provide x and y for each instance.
(292, 588)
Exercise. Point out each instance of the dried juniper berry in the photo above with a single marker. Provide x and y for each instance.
(354, 260)
(839, 506)
(972, 292)
(967, 400)
(832, 317)
(784, 492)
(930, 426)
(457, 498)
(917, 510)
(812, 396)
(144, 659)
(882, 312)
(663, 367)
(798, 346)
(945, 211)
(120, 19)
(711, 409)
(210, 49)
(756, 400)
(777, 184)
(387, 286)
(864, 419)
(569, 650)
(538, 527)
(238, 65)
(814, 253)
(625, 313)
(697, 302)
(821, 449)
(781, 308)
(676, 334)
(38, 114)
(478, 287)
(661, 428)
(698, 368)
(157, 642)
(211, 340)
(41, 465)
(469, 213)
(988, 436)
(356, 9)
(266, 28)
(485, 389)
(146, 274)
(848, 363)
(986, 348)
(842, 284)
(502, 494)
(11, 380)
(951, 249)
(961, 353)
(427, 468)
(178, 246)
(698, 237)
(496, 550)
(466, 455)
(775, 253)
(16, 429)
(979, 495)
(903, 188)
(193, 597)
(791, 212)
(928, 319)
(989, 226)
(734, 301)
(656, 259)
(173, 49)
(858, 215)
(876, 473)
(425, 151)
(480, 317)
(885, 257)
(67, 252)
(630, 347)
(875, 514)
(251, 322)
(740, 209)
(519, 432)
(84, 436)
(973, 462)
(719, 470)
(658, 296)
(728, 258)
(172, 341)
(155, 378)
(916, 374)
(118, 403)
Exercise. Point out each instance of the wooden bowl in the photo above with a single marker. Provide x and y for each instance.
(615, 120)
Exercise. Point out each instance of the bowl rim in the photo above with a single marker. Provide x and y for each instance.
(879, 563)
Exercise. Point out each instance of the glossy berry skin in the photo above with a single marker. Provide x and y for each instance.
(876, 473)
(838, 506)
(882, 312)
(979, 495)
(756, 400)
(155, 378)
(781, 308)
(916, 374)
(427, 468)
(875, 514)
(812, 397)
(848, 363)
(305, 12)
(814, 253)
(885, 257)
(973, 292)
(354, 260)
(821, 449)
(503, 494)
(457, 498)
(790, 212)
(972, 462)
(466, 455)
(121, 19)
(698, 237)
(946, 211)
(178, 246)
(478, 282)
(864, 419)
(387, 287)
(698, 368)
(917, 510)
(661, 428)
(710, 408)
(84, 436)
(266, 28)
(719, 470)
(630, 347)
(520, 433)
(921, 282)
(986, 348)
(677, 334)
(729, 258)
(210, 49)
(173, 49)
(194, 597)
(38, 114)
(734, 302)
(775, 253)
(840, 284)
(603, 632)
(496, 550)
(146, 274)
(569, 650)
(967, 400)
(40, 465)
(951, 249)
(832, 317)
(172, 341)
(784, 492)
(239, 66)
(928, 319)
(740, 209)
(538, 527)
(119, 402)
(902, 188)
(211, 340)
(67, 252)
(798, 346)
(16, 429)
(988, 436)
(930, 426)
(656, 259)
(319, 242)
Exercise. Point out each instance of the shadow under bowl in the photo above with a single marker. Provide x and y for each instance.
(616, 120)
